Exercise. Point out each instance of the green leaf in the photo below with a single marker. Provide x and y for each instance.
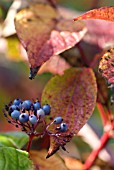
(73, 97)
(13, 139)
(14, 159)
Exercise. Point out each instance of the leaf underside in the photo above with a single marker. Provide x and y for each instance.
(73, 97)
(106, 65)
(104, 13)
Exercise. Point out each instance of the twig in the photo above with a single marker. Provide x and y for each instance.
(84, 58)
(103, 114)
(92, 157)
(30, 142)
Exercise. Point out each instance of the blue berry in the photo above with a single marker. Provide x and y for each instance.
(58, 120)
(13, 107)
(20, 106)
(23, 118)
(46, 109)
(33, 119)
(17, 102)
(63, 127)
(15, 114)
(40, 113)
(26, 104)
(36, 105)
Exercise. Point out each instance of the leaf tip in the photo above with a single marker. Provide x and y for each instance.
(52, 151)
(33, 72)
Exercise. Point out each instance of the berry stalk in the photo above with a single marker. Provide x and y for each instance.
(30, 142)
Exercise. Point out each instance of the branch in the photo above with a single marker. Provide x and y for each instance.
(92, 157)
(103, 114)
(84, 58)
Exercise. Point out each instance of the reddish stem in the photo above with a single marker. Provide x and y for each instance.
(92, 157)
(102, 113)
(30, 142)
(95, 60)
(84, 58)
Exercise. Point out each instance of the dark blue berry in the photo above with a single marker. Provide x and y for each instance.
(40, 113)
(13, 107)
(46, 109)
(63, 127)
(20, 106)
(33, 119)
(15, 114)
(23, 118)
(58, 120)
(36, 105)
(26, 104)
(17, 102)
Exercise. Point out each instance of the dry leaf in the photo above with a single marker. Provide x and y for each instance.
(45, 34)
(73, 164)
(54, 163)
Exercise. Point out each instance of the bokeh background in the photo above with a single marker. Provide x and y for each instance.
(14, 68)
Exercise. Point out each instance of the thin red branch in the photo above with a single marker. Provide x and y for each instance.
(84, 58)
(103, 114)
(95, 60)
(30, 142)
(92, 157)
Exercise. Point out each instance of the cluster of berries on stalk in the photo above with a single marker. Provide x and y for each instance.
(28, 115)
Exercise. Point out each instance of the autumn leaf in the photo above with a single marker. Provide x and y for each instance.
(45, 34)
(106, 65)
(104, 13)
(73, 164)
(38, 157)
(77, 91)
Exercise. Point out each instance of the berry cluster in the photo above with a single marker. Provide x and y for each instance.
(28, 115)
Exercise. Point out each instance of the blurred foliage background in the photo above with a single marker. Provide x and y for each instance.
(14, 69)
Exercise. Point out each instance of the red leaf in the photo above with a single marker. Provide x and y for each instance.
(106, 65)
(45, 34)
(104, 13)
(73, 97)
